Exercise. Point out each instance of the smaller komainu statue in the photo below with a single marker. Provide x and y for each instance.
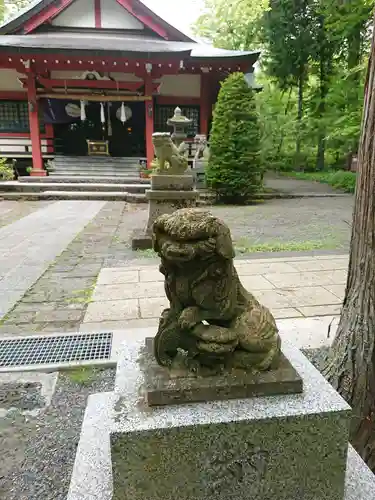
(171, 160)
(202, 151)
(212, 318)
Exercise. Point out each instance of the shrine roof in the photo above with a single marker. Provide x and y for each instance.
(118, 45)
(16, 23)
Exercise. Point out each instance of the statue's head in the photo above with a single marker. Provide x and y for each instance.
(191, 234)
(161, 139)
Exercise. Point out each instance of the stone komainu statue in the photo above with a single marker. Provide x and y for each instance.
(211, 315)
(167, 152)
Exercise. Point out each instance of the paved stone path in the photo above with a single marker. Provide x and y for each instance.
(28, 246)
(12, 211)
(292, 287)
(58, 300)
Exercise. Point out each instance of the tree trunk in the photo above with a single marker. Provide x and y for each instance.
(300, 112)
(350, 366)
(320, 157)
(325, 72)
(282, 133)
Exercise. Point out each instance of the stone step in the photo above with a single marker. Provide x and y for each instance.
(92, 179)
(89, 173)
(15, 186)
(105, 164)
(99, 158)
(97, 170)
(76, 195)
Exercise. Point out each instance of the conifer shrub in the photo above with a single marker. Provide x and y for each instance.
(234, 170)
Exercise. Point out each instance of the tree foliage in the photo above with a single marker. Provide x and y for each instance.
(232, 25)
(288, 29)
(233, 170)
(9, 8)
(314, 54)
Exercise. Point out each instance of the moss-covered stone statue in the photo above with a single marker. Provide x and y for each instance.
(171, 159)
(211, 316)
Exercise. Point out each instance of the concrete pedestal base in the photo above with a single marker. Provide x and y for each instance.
(199, 174)
(291, 447)
(168, 193)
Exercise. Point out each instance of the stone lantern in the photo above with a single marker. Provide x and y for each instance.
(172, 186)
(180, 124)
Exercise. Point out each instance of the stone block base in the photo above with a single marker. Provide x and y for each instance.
(290, 447)
(168, 193)
(92, 471)
(172, 182)
(167, 202)
(141, 241)
(164, 386)
(35, 172)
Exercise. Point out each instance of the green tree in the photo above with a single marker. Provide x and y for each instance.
(9, 8)
(278, 124)
(233, 171)
(347, 23)
(288, 32)
(2, 10)
(313, 54)
(231, 25)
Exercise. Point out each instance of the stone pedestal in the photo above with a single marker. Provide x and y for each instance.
(167, 194)
(289, 447)
(199, 174)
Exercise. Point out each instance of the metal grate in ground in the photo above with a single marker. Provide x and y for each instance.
(56, 349)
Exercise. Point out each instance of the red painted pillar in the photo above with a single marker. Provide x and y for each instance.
(98, 14)
(205, 103)
(149, 110)
(36, 147)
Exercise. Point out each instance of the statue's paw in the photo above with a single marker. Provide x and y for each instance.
(216, 334)
(188, 318)
(217, 349)
(164, 318)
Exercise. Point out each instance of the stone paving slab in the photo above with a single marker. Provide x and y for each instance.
(134, 295)
(58, 300)
(11, 211)
(28, 246)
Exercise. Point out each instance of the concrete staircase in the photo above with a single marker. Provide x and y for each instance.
(86, 178)
(21, 190)
(95, 166)
(82, 178)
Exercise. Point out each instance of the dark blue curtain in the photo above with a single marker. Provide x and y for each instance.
(54, 111)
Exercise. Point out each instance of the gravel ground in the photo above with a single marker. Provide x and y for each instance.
(298, 224)
(290, 185)
(317, 356)
(25, 396)
(38, 453)
(325, 220)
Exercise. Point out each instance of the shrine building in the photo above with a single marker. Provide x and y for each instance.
(80, 77)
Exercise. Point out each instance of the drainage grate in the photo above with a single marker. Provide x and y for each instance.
(55, 349)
